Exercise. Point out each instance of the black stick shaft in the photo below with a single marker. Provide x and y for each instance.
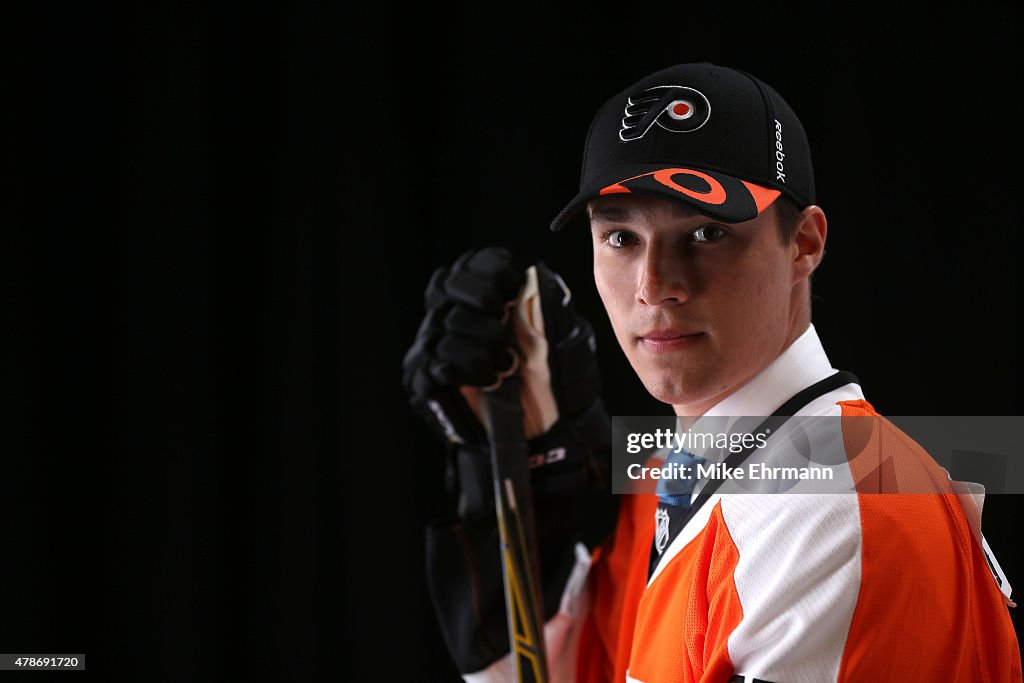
(503, 417)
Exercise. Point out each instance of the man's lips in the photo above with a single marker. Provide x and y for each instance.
(669, 339)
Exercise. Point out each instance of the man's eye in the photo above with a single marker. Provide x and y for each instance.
(619, 238)
(708, 233)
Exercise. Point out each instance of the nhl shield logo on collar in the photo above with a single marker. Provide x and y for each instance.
(674, 108)
(661, 532)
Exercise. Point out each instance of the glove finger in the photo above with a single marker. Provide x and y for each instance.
(488, 260)
(476, 325)
(415, 358)
(435, 295)
(556, 304)
(460, 263)
(502, 359)
(474, 290)
(447, 375)
(430, 329)
(474, 364)
(463, 362)
(553, 286)
(577, 378)
(496, 265)
(432, 325)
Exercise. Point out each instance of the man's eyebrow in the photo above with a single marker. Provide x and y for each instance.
(604, 213)
(611, 213)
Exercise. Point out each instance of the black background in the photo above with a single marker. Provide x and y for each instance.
(219, 225)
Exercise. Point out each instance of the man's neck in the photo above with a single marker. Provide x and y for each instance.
(690, 412)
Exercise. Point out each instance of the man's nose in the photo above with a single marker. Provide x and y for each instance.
(662, 278)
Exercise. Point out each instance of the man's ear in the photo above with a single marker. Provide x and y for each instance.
(809, 241)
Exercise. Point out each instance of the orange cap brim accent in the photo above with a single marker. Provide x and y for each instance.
(763, 197)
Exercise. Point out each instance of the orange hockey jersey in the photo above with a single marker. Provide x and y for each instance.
(862, 586)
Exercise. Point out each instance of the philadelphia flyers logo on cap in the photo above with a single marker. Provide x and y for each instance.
(675, 108)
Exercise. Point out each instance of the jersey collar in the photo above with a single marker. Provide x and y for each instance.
(802, 364)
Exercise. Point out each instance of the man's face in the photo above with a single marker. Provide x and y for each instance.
(699, 306)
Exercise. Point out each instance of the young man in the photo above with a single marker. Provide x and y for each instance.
(698, 185)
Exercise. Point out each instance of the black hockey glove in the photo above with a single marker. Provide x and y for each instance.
(464, 344)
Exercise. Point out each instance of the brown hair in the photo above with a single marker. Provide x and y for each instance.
(787, 213)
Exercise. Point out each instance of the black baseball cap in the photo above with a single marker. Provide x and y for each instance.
(712, 137)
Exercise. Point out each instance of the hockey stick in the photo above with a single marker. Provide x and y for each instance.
(503, 419)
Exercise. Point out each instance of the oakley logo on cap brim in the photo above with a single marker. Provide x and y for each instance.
(712, 189)
(674, 108)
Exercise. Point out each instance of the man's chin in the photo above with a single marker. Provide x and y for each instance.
(676, 391)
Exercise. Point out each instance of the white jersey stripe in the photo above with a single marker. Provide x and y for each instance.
(798, 597)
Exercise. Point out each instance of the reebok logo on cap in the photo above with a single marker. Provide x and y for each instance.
(780, 156)
(675, 108)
